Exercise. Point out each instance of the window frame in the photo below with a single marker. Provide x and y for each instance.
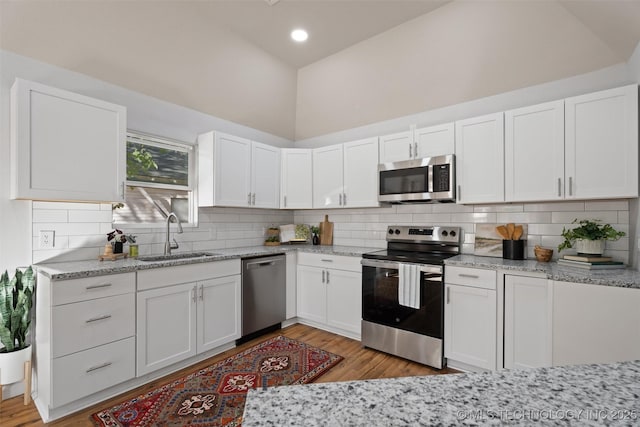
(192, 187)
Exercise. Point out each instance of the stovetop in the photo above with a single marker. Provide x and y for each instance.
(409, 256)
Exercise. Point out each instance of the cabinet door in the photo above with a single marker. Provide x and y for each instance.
(396, 147)
(232, 170)
(66, 146)
(312, 294)
(361, 173)
(480, 159)
(297, 176)
(602, 144)
(265, 180)
(327, 177)
(527, 322)
(219, 312)
(595, 324)
(166, 326)
(534, 153)
(434, 141)
(344, 300)
(470, 326)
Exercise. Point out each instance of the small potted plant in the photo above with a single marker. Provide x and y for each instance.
(589, 236)
(16, 302)
(117, 239)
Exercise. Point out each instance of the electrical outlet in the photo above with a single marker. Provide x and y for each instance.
(47, 239)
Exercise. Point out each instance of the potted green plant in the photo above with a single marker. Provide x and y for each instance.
(589, 236)
(16, 301)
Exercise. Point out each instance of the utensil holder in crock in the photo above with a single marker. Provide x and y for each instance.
(513, 249)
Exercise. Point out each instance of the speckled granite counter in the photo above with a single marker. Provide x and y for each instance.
(576, 395)
(79, 269)
(625, 278)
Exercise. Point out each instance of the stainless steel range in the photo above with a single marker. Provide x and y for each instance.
(403, 292)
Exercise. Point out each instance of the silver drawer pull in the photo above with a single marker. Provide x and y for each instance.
(95, 319)
(326, 260)
(95, 368)
(470, 276)
(104, 285)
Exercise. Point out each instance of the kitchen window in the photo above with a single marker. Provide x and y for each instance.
(160, 180)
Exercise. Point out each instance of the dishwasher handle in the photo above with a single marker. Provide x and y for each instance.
(262, 262)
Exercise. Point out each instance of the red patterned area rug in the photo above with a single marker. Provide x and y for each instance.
(215, 396)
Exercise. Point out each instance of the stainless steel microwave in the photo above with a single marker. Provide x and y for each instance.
(431, 179)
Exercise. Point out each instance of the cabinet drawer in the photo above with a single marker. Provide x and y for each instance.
(474, 277)
(82, 374)
(337, 262)
(168, 276)
(87, 324)
(75, 290)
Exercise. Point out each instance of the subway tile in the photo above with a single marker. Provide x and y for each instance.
(610, 217)
(90, 216)
(549, 229)
(524, 217)
(50, 215)
(554, 207)
(417, 208)
(474, 217)
(607, 205)
(431, 219)
(66, 206)
(623, 217)
(451, 208)
(498, 208)
(94, 241)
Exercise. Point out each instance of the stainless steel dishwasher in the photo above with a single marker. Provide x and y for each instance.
(263, 294)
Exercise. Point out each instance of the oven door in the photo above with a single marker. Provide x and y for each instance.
(380, 303)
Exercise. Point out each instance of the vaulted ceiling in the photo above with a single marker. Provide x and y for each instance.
(173, 50)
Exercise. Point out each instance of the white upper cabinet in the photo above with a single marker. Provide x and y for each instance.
(415, 144)
(534, 153)
(346, 175)
(66, 146)
(480, 159)
(296, 178)
(235, 171)
(601, 143)
(434, 141)
(396, 147)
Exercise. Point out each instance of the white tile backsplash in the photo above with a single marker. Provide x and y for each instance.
(81, 228)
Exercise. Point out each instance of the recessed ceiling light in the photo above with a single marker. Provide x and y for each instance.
(299, 35)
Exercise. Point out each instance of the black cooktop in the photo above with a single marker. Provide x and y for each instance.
(433, 258)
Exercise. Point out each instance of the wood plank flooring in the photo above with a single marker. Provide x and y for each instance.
(358, 364)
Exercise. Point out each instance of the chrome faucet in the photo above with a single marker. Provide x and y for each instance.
(167, 244)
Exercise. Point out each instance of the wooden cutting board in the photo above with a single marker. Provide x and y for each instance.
(326, 231)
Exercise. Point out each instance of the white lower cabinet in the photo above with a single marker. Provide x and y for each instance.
(470, 322)
(329, 293)
(178, 320)
(527, 322)
(85, 331)
(595, 324)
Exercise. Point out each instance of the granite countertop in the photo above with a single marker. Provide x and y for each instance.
(575, 395)
(79, 269)
(623, 277)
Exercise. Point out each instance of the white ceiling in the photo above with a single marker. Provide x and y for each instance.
(332, 25)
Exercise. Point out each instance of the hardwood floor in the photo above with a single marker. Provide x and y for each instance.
(358, 364)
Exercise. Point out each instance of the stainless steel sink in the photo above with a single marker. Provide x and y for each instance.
(184, 255)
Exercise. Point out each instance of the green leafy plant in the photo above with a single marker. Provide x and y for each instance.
(588, 229)
(272, 239)
(16, 301)
(315, 229)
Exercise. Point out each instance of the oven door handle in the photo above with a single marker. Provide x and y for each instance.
(429, 269)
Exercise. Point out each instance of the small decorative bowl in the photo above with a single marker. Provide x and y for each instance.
(542, 254)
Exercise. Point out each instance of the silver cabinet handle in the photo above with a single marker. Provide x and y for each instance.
(95, 319)
(327, 276)
(448, 292)
(95, 368)
(122, 190)
(104, 285)
(193, 294)
(326, 260)
(410, 153)
(470, 276)
(322, 276)
(249, 199)
(201, 293)
(340, 199)
(285, 201)
(253, 199)
(344, 199)
(570, 186)
(459, 193)
(559, 187)
(415, 149)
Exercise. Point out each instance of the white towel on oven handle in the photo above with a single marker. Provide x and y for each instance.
(409, 285)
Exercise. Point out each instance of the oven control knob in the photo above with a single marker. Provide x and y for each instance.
(390, 231)
(445, 233)
(397, 231)
(453, 233)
